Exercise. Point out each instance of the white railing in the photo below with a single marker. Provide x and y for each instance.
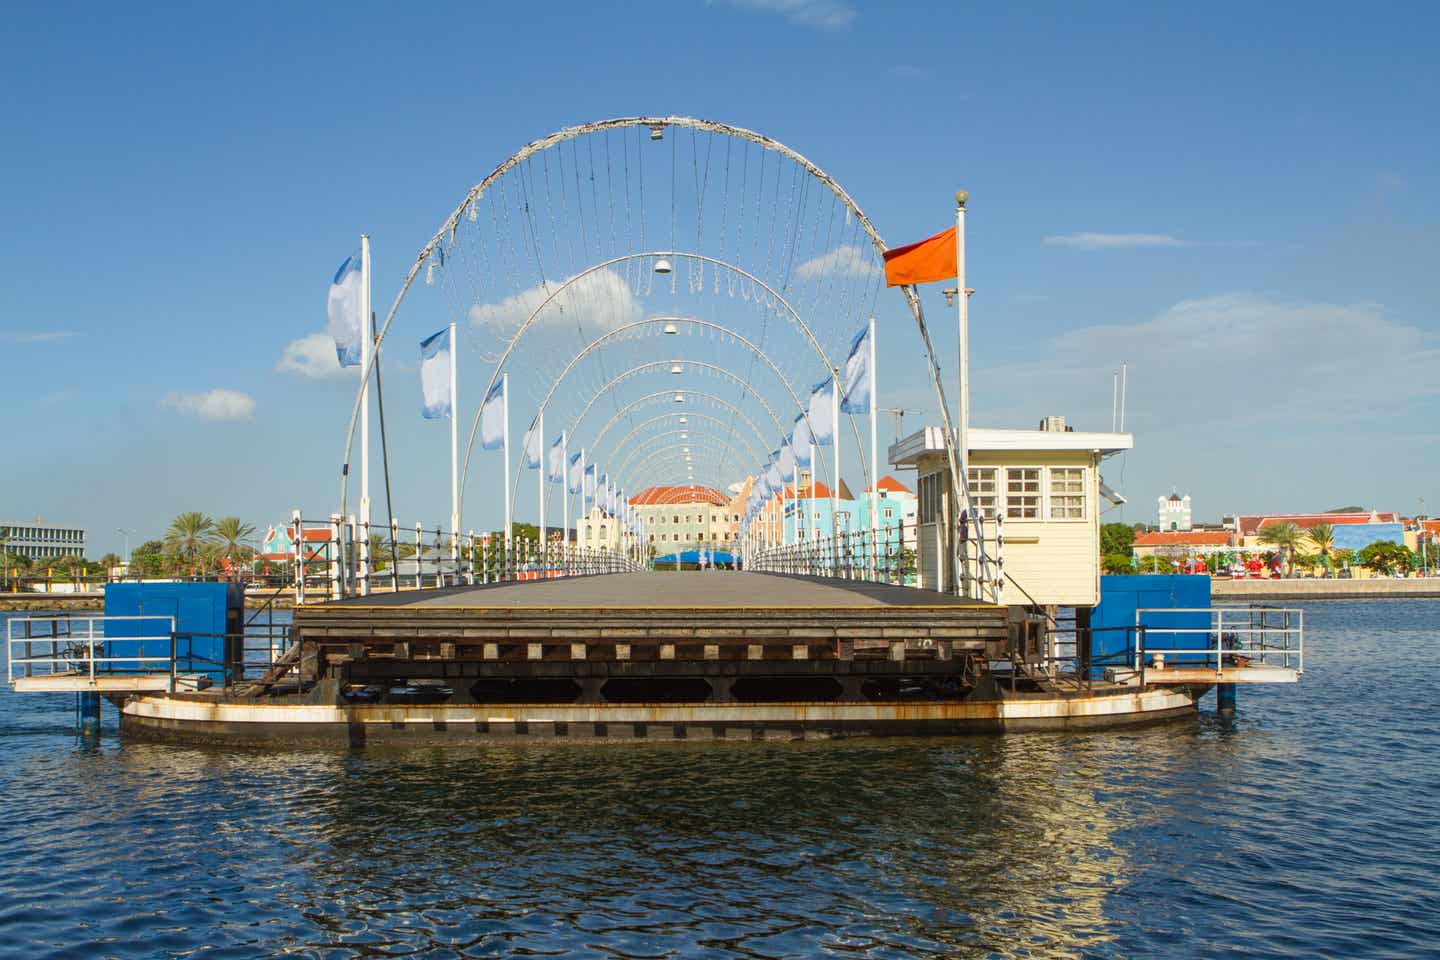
(332, 558)
(909, 554)
(101, 646)
(1234, 638)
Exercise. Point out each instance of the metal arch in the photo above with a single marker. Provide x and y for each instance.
(584, 129)
(708, 443)
(598, 341)
(830, 368)
(665, 363)
(649, 458)
(620, 444)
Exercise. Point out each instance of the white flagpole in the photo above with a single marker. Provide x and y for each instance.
(835, 493)
(541, 468)
(454, 451)
(565, 488)
(795, 494)
(366, 345)
(505, 477)
(874, 460)
(962, 420)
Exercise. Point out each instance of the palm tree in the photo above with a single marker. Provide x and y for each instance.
(232, 535)
(1283, 536)
(1323, 536)
(188, 535)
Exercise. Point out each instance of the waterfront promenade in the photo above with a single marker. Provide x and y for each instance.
(1373, 588)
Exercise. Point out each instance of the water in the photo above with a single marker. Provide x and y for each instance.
(1306, 828)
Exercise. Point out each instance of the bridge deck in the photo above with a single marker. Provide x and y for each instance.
(682, 589)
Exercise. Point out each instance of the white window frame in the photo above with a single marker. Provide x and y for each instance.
(1051, 495)
(1039, 494)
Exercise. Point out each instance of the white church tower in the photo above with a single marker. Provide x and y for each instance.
(1175, 512)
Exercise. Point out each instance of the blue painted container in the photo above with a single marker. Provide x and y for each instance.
(206, 614)
(1112, 622)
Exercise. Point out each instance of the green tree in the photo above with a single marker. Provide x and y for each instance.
(150, 560)
(188, 536)
(1117, 538)
(1322, 536)
(1387, 557)
(1116, 563)
(1284, 537)
(232, 536)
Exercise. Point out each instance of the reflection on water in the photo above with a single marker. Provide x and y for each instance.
(1304, 828)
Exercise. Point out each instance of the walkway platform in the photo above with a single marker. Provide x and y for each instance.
(682, 589)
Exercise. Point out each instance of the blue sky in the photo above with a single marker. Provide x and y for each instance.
(1238, 199)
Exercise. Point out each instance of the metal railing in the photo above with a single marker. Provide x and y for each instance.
(336, 558)
(1234, 638)
(99, 646)
(970, 563)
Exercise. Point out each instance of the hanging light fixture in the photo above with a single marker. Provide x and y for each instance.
(670, 329)
(679, 398)
(662, 266)
(676, 368)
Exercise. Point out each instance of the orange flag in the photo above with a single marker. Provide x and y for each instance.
(922, 262)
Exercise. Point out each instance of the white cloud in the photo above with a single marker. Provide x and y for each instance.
(603, 298)
(218, 404)
(1236, 360)
(313, 357)
(821, 14)
(36, 336)
(1114, 241)
(843, 260)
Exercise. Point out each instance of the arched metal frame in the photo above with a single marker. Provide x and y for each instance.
(830, 368)
(711, 446)
(569, 133)
(610, 334)
(645, 443)
(681, 429)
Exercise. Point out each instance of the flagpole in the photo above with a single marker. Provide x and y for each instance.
(962, 420)
(795, 489)
(835, 493)
(565, 490)
(505, 476)
(874, 460)
(366, 347)
(454, 451)
(541, 468)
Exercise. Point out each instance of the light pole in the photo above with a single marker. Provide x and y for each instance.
(125, 557)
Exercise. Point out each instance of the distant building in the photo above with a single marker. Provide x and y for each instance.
(42, 541)
(689, 515)
(1175, 512)
(1180, 544)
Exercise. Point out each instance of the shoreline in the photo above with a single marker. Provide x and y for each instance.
(1374, 588)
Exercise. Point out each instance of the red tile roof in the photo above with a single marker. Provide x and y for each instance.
(889, 483)
(1184, 538)
(683, 494)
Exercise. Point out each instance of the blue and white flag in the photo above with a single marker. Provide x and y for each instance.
(786, 461)
(435, 375)
(800, 442)
(572, 474)
(492, 418)
(532, 447)
(821, 412)
(346, 325)
(555, 469)
(588, 487)
(773, 477)
(859, 378)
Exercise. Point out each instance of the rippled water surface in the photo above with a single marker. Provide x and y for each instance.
(1307, 827)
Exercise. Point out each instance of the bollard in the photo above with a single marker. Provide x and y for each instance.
(1225, 698)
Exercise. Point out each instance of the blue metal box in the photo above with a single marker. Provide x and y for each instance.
(1112, 622)
(206, 616)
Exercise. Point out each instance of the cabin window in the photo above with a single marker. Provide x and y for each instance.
(1067, 493)
(984, 491)
(931, 494)
(1022, 493)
